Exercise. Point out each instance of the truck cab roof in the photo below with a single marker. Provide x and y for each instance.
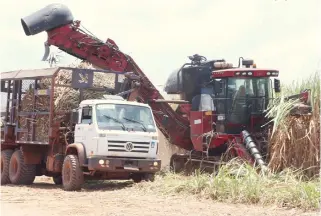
(111, 101)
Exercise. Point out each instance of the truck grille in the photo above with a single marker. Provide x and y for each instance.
(120, 146)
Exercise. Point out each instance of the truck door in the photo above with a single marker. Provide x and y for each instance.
(85, 132)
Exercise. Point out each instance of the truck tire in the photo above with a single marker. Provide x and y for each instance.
(72, 175)
(5, 162)
(19, 172)
(57, 180)
(138, 177)
(149, 177)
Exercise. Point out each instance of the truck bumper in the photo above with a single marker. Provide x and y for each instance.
(123, 164)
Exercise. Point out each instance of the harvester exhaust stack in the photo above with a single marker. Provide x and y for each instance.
(47, 18)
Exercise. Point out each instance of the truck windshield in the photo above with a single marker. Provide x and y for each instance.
(124, 116)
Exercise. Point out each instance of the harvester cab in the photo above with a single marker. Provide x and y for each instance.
(236, 97)
(245, 92)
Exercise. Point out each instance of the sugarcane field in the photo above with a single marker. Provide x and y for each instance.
(160, 108)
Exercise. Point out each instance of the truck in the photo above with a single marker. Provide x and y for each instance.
(221, 110)
(105, 137)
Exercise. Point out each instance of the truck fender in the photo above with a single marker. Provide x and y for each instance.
(79, 150)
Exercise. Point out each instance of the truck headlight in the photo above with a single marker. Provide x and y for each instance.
(155, 163)
(101, 162)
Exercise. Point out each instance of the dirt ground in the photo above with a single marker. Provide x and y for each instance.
(121, 198)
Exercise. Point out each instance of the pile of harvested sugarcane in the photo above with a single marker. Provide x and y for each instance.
(295, 141)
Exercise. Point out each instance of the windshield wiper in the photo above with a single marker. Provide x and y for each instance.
(132, 120)
(116, 120)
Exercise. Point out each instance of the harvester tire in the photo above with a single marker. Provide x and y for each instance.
(19, 172)
(177, 164)
(5, 162)
(57, 180)
(72, 175)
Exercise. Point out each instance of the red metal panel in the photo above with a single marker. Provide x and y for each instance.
(200, 124)
(231, 72)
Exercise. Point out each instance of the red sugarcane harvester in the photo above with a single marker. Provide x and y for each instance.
(221, 108)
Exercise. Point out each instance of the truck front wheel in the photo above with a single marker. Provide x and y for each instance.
(5, 162)
(19, 172)
(57, 179)
(72, 175)
(149, 177)
(138, 177)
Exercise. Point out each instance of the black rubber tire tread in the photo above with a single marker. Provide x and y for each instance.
(76, 179)
(5, 160)
(137, 177)
(26, 173)
(57, 180)
(177, 164)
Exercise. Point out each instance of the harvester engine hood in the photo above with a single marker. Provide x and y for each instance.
(47, 18)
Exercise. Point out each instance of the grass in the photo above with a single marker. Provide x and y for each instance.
(245, 186)
(294, 158)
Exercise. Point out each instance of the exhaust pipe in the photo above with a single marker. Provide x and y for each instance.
(47, 18)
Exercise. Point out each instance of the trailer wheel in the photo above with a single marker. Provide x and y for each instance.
(57, 179)
(72, 175)
(19, 172)
(5, 162)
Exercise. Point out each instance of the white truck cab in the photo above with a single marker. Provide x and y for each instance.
(117, 135)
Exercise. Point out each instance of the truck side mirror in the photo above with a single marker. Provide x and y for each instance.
(277, 87)
(74, 116)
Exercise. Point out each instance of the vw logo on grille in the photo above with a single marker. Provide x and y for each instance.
(129, 146)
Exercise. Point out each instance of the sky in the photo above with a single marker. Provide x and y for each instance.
(159, 35)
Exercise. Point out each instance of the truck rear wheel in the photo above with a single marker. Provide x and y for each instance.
(19, 172)
(72, 175)
(5, 162)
